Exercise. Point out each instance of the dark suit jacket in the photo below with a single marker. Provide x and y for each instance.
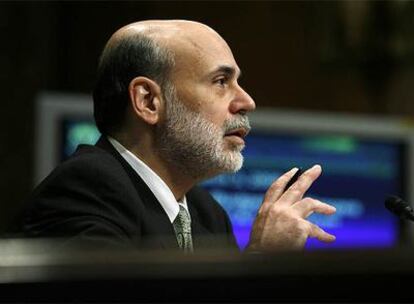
(96, 196)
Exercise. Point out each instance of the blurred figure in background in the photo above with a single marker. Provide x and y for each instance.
(171, 114)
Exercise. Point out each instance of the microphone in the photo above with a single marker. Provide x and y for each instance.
(399, 207)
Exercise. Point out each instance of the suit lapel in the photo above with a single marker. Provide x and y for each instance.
(161, 230)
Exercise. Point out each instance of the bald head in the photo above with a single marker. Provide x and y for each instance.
(169, 33)
(151, 49)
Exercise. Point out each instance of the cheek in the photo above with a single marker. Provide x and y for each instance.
(215, 116)
(207, 102)
(195, 98)
(216, 112)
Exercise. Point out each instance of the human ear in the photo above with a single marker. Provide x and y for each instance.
(145, 95)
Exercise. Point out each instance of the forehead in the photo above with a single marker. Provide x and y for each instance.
(199, 53)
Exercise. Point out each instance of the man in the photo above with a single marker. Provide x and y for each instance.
(172, 114)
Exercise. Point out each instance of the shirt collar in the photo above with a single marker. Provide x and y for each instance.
(160, 189)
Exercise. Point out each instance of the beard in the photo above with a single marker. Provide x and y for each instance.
(195, 145)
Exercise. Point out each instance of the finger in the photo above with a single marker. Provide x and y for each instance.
(298, 189)
(321, 235)
(276, 188)
(307, 206)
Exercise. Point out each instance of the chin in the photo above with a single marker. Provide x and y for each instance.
(227, 162)
(232, 162)
(234, 147)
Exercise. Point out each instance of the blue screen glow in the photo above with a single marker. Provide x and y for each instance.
(357, 176)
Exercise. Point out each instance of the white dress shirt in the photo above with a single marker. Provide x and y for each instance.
(160, 189)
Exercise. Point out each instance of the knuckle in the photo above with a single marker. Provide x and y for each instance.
(286, 215)
(306, 175)
(262, 211)
(278, 212)
(316, 231)
(304, 227)
(278, 183)
(295, 191)
(274, 187)
(305, 179)
(308, 201)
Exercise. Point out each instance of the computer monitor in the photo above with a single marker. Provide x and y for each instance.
(364, 159)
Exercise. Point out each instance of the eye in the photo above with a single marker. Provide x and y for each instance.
(222, 81)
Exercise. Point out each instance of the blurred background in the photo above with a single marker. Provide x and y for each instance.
(352, 57)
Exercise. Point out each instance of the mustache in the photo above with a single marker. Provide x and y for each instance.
(240, 121)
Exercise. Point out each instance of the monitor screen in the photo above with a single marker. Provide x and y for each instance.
(358, 173)
(357, 176)
(76, 131)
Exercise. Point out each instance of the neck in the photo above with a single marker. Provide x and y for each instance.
(173, 176)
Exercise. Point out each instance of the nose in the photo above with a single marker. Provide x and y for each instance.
(242, 102)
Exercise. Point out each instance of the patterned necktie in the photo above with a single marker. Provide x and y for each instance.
(182, 227)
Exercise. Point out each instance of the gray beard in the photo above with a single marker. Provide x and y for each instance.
(196, 146)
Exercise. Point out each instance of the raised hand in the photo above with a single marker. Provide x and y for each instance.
(281, 221)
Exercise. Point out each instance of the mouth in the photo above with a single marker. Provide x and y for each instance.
(238, 133)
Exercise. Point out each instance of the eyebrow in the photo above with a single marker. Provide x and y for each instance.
(228, 70)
